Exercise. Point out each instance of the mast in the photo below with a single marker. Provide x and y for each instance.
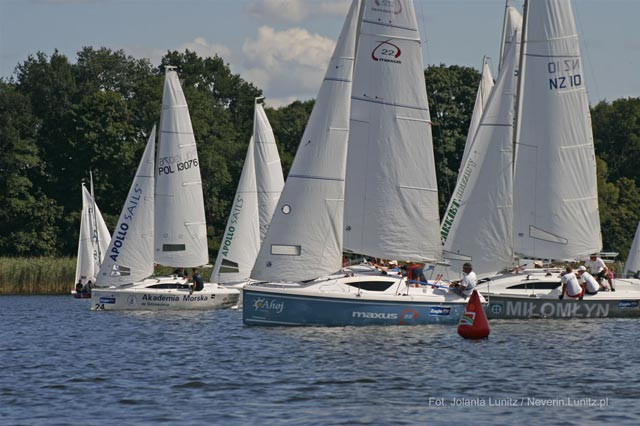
(94, 230)
(504, 35)
(518, 103)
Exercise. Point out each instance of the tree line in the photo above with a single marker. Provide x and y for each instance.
(60, 119)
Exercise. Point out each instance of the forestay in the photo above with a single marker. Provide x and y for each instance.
(632, 265)
(391, 197)
(304, 239)
(93, 239)
(555, 200)
(241, 240)
(268, 169)
(181, 237)
(477, 226)
(129, 257)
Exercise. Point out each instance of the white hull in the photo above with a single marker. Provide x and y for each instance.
(164, 293)
(535, 294)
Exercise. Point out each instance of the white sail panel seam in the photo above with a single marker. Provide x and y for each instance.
(385, 25)
(376, 101)
(418, 188)
(422, 120)
(393, 37)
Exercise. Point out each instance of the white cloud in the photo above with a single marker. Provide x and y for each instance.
(205, 49)
(288, 63)
(199, 45)
(296, 10)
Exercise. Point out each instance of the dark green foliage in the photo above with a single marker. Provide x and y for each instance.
(288, 125)
(452, 93)
(58, 120)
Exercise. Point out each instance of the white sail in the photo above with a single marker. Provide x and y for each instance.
(93, 240)
(129, 257)
(304, 240)
(512, 25)
(181, 232)
(268, 170)
(391, 196)
(477, 226)
(632, 265)
(241, 240)
(482, 96)
(556, 198)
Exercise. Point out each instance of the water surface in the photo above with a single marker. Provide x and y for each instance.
(61, 363)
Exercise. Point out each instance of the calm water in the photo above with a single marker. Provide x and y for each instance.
(62, 364)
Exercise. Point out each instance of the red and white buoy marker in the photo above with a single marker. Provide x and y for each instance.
(473, 322)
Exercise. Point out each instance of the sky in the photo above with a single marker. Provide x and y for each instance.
(283, 46)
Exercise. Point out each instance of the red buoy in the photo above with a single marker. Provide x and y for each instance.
(473, 322)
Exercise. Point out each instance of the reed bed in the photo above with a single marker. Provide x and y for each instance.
(37, 275)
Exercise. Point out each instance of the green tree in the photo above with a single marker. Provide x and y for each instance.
(616, 133)
(27, 216)
(452, 92)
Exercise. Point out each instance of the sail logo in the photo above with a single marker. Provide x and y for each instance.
(571, 69)
(233, 220)
(386, 51)
(374, 315)
(439, 311)
(262, 304)
(456, 201)
(628, 304)
(387, 6)
(172, 164)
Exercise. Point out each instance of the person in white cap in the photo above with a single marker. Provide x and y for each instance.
(598, 269)
(587, 282)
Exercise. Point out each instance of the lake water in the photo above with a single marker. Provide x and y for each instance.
(63, 364)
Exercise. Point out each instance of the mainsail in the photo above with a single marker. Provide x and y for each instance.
(632, 265)
(304, 239)
(241, 240)
(555, 198)
(129, 257)
(181, 237)
(477, 226)
(93, 240)
(391, 196)
(512, 25)
(268, 170)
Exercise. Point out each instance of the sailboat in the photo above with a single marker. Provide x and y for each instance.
(259, 189)
(479, 217)
(632, 265)
(555, 202)
(388, 180)
(463, 244)
(93, 241)
(162, 221)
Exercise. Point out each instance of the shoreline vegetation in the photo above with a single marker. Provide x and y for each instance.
(51, 275)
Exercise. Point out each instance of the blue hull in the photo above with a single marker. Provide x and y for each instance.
(266, 308)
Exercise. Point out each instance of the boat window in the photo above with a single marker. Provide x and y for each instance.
(538, 285)
(372, 285)
(169, 286)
